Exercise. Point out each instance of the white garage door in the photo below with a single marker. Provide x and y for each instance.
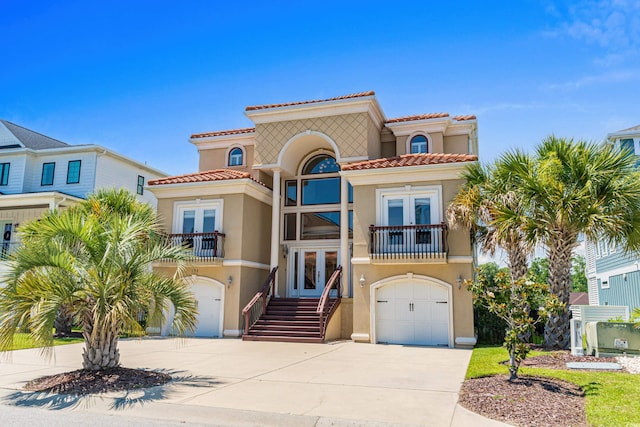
(412, 312)
(209, 299)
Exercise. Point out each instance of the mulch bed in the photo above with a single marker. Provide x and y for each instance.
(84, 381)
(527, 401)
(530, 401)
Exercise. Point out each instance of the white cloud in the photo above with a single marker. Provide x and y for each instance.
(611, 24)
(609, 77)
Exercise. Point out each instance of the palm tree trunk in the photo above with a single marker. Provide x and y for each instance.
(64, 321)
(557, 334)
(101, 349)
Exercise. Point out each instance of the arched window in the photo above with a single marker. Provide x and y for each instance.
(418, 144)
(322, 163)
(235, 157)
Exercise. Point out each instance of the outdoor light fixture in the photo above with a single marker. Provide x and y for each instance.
(362, 280)
(459, 281)
(285, 250)
(229, 280)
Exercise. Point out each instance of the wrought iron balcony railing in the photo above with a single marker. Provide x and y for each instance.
(422, 241)
(204, 246)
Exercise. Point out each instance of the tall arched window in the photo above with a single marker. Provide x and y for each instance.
(312, 203)
(235, 157)
(320, 164)
(418, 144)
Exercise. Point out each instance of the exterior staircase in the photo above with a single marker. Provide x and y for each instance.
(288, 320)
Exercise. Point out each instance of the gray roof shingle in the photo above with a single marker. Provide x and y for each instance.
(31, 139)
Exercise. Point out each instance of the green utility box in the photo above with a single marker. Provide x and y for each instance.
(608, 339)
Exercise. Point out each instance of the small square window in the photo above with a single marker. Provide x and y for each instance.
(73, 172)
(140, 189)
(48, 171)
(4, 173)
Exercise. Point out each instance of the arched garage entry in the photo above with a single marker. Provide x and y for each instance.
(209, 295)
(412, 309)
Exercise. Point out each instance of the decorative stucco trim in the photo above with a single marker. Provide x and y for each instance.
(466, 340)
(198, 189)
(360, 337)
(460, 259)
(405, 174)
(245, 263)
(367, 104)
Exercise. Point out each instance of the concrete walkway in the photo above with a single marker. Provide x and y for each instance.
(231, 382)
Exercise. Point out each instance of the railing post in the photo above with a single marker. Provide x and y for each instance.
(372, 229)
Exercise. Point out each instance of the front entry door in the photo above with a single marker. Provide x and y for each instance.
(317, 266)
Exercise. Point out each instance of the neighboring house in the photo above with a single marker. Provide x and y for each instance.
(321, 184)
(613, 276)
(38, 173)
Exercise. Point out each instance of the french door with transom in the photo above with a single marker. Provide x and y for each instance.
(310, 269)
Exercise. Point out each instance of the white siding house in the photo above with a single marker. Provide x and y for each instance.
(39, 173)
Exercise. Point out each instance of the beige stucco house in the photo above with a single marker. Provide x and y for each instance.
(336, 213)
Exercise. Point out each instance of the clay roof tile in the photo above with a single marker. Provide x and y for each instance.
(288, 104)
(411, 160)
(206, 176)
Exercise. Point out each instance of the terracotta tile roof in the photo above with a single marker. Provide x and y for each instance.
(418, 117)
(463, 118)
(223, 133)
(288, 104)
(411, 160)
(206, 176)
(430, 116)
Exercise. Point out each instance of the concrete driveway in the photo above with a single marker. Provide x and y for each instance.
(231, 382)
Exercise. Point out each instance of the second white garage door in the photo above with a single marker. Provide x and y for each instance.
(412, 312)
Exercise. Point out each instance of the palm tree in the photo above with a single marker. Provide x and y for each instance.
(95, 260)
(488, 204)
(575, 187)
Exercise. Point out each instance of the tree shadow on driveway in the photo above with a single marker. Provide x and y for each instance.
(180, 382)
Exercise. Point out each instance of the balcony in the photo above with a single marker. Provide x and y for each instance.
(408, 243)
(204, 247)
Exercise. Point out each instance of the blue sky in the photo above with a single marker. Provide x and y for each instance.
(140, 76)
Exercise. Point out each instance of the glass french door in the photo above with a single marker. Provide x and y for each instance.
(311, 270)
(197, 226)
(413, 211)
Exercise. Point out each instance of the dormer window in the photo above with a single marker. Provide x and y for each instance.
(418, 144)
(236, 157)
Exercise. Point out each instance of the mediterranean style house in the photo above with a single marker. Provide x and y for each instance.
(612, 275)
(38, 173)
(326, 220)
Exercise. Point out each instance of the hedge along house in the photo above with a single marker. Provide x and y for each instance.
(326, 220)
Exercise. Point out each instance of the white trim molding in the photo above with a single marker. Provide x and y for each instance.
(228, 153)
(232, 333)
(419, 133)
(199, 189)
(460, 259)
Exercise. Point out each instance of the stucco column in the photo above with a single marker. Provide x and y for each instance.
(344, 235)
(275, 224)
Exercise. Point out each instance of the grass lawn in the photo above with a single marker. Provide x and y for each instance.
(611, 398)
(22, 341)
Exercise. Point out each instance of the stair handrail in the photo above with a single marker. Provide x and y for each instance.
(323, 315)
(268, 289)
